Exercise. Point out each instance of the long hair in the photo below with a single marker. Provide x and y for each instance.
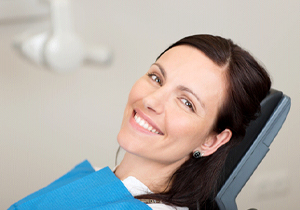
(194, 183)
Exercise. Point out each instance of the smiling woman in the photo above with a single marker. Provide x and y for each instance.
(184, 115)
(181, 119)
(179, 98)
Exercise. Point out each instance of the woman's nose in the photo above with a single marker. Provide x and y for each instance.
(155, 101)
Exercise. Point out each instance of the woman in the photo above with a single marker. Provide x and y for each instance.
(184, 115)
(181, 119)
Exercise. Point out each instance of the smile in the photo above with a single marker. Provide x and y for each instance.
(143, 123)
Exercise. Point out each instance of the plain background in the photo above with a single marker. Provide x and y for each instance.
(50, 122)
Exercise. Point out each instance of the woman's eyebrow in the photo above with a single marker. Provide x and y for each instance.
(162, 70)
(183, 88)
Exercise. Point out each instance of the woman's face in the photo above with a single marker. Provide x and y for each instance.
(171, 110)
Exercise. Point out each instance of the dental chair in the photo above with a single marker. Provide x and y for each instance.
(243, 159)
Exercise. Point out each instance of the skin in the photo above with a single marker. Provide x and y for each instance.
(180, 95)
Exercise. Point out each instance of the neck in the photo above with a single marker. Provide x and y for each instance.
(156, 176)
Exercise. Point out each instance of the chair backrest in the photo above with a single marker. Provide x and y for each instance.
(243, 159)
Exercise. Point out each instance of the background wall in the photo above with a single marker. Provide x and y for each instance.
(50, 122)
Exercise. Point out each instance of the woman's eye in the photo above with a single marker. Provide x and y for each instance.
(155, 78)
(188, 104)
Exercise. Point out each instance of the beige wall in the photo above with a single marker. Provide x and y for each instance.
(51, 122)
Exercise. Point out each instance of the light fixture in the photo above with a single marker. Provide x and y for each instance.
(60, 49)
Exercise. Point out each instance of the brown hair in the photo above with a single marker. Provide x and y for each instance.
(194, 183)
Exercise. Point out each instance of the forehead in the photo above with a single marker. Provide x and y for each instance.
(188, 66)
(188, 56)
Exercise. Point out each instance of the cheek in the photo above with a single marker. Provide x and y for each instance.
(182, 127)
(136, 94)
(137, 91)
(188, 130)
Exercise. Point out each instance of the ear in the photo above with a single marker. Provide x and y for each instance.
(215, 141)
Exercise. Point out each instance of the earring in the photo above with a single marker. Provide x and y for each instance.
(197, 154)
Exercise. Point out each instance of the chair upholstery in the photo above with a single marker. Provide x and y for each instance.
(243, 159)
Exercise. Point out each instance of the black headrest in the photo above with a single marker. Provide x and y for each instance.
(236, 154)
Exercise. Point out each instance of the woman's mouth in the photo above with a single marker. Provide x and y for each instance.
(146, 125)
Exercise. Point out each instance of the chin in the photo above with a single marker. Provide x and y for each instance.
(129, 143)
(124, 140)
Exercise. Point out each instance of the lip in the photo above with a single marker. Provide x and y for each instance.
(148, 119)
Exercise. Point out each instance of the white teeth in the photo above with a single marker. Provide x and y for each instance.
(144, 124)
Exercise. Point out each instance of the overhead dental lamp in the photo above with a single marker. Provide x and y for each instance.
(60, 48)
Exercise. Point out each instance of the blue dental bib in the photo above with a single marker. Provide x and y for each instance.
(82, 188)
